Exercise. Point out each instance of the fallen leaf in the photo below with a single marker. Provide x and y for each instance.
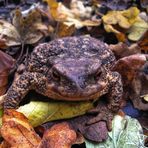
(40, 112)
(133, 70)
(143, 43)
(6, 64)
(138, 29)
(126, 132)
(65, 30)
(95, 132)
(122, 50)
(124, 19)
(9, 33)
(17, 131)
(26, 28)
(73, 16)
(59, 136)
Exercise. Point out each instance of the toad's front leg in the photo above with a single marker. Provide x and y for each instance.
(107, 112)
(21, 86)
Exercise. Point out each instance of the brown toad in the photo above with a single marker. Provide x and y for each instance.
(72, 69)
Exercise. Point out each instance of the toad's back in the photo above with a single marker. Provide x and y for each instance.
(70, 47)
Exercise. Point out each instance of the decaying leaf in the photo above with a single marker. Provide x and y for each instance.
(126, 132)
(6, 64)
(17, 131)
(59, 136)
(40, 112)
(77, 14)
(26, 28)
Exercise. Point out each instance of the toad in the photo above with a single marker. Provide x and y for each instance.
(71, 69)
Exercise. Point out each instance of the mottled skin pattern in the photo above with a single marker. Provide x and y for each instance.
(71, 68)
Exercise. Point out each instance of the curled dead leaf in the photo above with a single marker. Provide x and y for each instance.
(59, 136)
(17, 131)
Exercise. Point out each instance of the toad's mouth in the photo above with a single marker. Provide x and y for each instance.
(89, 93)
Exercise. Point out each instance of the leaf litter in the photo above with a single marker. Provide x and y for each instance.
(123, 24)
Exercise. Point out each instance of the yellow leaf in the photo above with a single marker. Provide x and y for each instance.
(65, 30)
(131, 14)
(40, 112)
(73, 16)
(138, 29)
(109, 28)
(125, 19)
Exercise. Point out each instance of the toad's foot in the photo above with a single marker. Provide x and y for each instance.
(103, 114)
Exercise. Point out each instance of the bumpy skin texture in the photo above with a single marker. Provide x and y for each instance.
(71, 68)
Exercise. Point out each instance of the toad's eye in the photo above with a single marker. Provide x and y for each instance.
(55, 75)
(98, 75)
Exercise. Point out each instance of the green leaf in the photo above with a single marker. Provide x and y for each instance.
(40, 112)
(126, 133)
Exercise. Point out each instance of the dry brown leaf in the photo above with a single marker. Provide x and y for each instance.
(59, 136)
(143, 43)
(128, 66)
(6, 64)
(26, 28)
(122, 50)
(135, 80)
(9, 33)
(17, 131)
